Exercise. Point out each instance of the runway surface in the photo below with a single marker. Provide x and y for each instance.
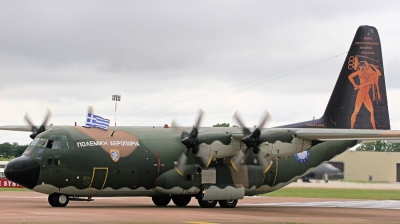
(31, 207)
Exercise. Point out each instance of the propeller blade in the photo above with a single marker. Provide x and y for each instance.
(236, 116)
(265, 163)
(36, 130)
(251, 140)
(199, 118)
(30, 123)
(46, 119)
(266, 117)
(181, 163)
(190, 141)
(237, 160)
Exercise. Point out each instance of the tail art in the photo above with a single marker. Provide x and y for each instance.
(359, 98)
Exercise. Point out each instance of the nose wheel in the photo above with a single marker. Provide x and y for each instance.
(58, 200)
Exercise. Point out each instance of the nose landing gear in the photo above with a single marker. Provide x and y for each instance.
(58, 200)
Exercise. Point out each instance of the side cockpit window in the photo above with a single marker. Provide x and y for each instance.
(58, 142)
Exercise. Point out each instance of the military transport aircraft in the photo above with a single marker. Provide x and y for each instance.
(213, 165)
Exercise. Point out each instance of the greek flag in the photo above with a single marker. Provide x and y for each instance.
(97, 122)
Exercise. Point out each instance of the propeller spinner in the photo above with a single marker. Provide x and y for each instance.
(37, 130)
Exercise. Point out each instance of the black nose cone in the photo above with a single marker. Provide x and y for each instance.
(23, 171)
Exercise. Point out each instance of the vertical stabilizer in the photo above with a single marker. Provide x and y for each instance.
(359, 98)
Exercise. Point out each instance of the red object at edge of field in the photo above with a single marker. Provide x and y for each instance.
(5, 183)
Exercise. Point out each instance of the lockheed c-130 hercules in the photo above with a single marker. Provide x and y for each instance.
(213, 165)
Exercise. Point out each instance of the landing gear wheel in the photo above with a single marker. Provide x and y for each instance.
(326, 177)
(182, 200)
(207, 204)
(58, 200)
(161, 201)
(228, 203)
(50, 200)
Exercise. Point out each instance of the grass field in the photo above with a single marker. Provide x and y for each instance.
(14, 189)
(336, 193)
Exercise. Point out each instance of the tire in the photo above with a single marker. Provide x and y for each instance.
(161, 201)
(50, 200)
(228, 203)
(58, 200)
(182, 200)
(207, 204)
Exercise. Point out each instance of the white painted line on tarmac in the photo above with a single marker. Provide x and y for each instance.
(381, 204)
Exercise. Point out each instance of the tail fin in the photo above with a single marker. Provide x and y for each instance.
(359, 98)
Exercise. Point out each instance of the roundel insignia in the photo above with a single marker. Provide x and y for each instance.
(114, 153)
(302, 156)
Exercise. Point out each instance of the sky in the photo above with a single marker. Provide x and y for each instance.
(167, 59)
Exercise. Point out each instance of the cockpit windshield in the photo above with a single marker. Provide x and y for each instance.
(35, 141)
(58, 142)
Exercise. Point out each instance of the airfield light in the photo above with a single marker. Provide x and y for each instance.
(116, 98)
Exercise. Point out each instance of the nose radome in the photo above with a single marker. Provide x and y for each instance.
(23, 171)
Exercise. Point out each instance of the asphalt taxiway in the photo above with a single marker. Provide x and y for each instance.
(31, 207)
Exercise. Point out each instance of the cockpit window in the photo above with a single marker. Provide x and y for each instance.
(58, 142)
(58, 137)
(35, 141)
(42, 142)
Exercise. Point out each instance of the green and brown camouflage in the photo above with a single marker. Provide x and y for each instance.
(220, 164)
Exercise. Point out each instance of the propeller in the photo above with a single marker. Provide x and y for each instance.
(37, 130)
(252, 141)
(191, 142)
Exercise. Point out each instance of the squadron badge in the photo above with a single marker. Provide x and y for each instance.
(114, 153)
(302, 156)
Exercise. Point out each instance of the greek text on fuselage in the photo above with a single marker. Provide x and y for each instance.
(106, 143)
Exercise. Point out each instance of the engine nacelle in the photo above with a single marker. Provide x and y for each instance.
(284, 149)
(216, 145)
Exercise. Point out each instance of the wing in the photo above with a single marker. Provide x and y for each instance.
(16, 128)
(347, 134)
(26, 128)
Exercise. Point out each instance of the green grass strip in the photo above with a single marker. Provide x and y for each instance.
(13, 189)
(336, 193)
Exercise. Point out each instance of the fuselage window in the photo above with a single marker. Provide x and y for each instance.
(57, 160)
(54, 160)
(50, 160)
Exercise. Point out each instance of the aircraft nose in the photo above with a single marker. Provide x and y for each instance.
(23, 171)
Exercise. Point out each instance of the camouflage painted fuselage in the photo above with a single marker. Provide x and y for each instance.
(145, 164)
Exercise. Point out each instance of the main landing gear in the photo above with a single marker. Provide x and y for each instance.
(183, 200)
(180, 201)
(213, 203)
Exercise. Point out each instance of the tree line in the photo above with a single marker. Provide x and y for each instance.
(380, 146)
(9, 151)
